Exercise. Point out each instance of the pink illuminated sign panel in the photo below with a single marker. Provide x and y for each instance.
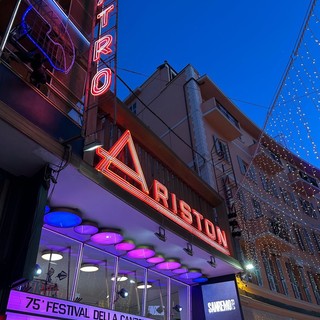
(161, 199)
(104, 48)
(26, 306)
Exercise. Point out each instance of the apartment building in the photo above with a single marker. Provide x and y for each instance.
(272, 195)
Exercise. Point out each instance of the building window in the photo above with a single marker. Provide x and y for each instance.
(285, 196)
(269, 273)
(243, 166)
(265, 182)
(293, 199)
(243, 205)
(299, 238)
(280, 228)
(307, 240)
(316, 238)
(281, 276)
(274, 189)
(309, 179)
(293, 280)
(275, 157)
(315, 286)
(221, 150)
(227, 114)
(133, 108)
(306, 291)
(269, 185)
(257, 208)
(308, 208)
(245, 169)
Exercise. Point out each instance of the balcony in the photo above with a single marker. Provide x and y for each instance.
(303, 183)
(265, 159)
(221, 120)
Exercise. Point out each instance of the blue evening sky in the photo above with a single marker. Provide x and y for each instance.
(243, 46)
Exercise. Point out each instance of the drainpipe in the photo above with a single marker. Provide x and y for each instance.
(197, 122)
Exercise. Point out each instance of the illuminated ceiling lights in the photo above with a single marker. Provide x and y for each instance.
(107, 237)
(191, 274)
(120, 278)
(201, 279)
(180, 270)
(50, 255)
(169, 264)
(89, 267)
(86, 228)
(141, 285)
(125, 245)
(63, 217)
(141, 252)
(156, 259)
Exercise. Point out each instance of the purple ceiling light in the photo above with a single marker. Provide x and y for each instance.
(169, 264)
(141, 252)
(107, 236)
(63, 217)
(156, 259)
(191, 274)
(180, 270)
(125, 245)
(86, 228)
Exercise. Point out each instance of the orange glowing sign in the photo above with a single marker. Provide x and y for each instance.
(161, 199)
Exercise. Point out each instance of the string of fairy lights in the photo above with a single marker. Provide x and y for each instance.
(281, 187)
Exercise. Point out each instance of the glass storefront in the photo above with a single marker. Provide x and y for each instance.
(78, 272)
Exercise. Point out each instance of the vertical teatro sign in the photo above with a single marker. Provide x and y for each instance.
(104, 48)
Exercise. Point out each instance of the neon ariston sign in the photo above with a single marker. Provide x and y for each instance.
(161, 199)
(104, 48)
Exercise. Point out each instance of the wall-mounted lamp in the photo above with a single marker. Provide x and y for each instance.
(123, 293)
(249, 266)
(212, 261)
(161, 235)
(177, 308)
(37, 270)
(92, 145)
(189, 249)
